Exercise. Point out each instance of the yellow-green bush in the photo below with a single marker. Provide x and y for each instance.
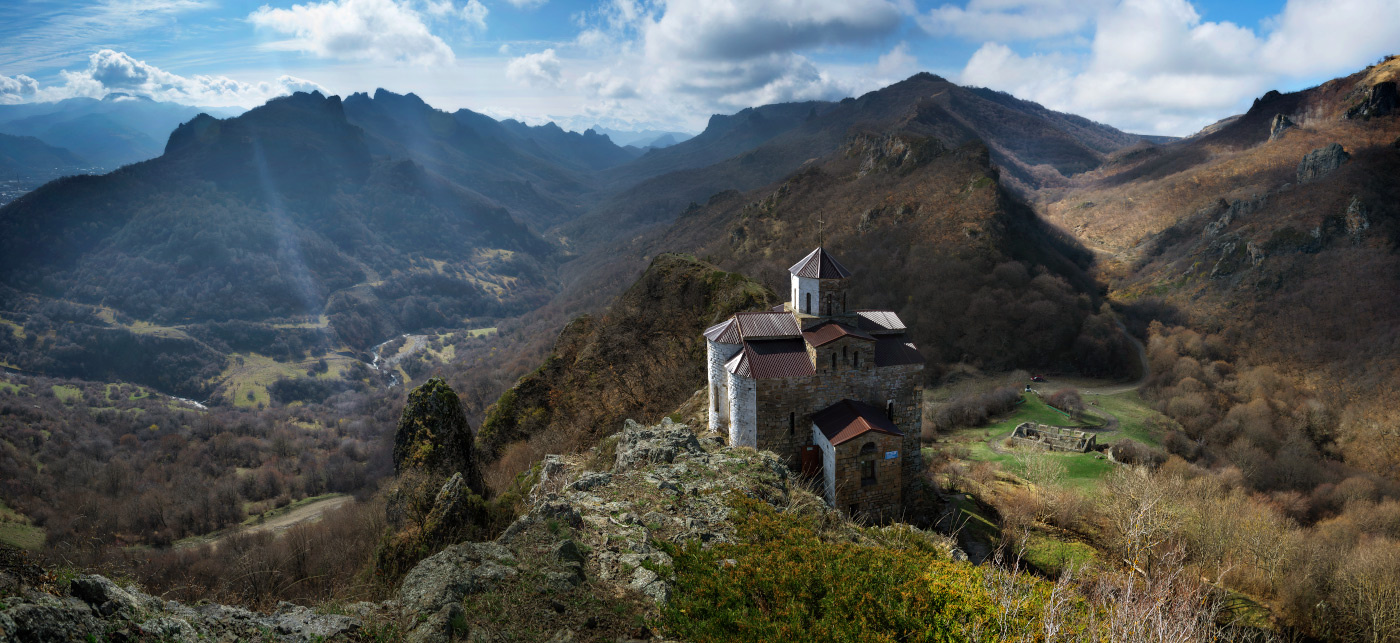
(781, 581)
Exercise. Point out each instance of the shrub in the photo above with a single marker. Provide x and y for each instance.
(781, 581)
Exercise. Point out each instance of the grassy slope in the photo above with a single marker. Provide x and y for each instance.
(15, 530)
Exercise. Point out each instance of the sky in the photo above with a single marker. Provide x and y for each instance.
(1146, 66)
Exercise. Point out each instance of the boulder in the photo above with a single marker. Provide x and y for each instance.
(1357, 223)
(103, 595)
(1321, 161)
(643, 445)
(453, 573)
(1278, 125)
(439, 627)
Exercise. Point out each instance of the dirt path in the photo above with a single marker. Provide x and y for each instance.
(310, 512)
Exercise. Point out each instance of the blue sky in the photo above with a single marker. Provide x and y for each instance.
(1151, 66)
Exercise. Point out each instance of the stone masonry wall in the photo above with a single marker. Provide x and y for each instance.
(881, 500)
(785, 405)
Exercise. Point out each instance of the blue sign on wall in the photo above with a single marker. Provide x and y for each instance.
(890, 455)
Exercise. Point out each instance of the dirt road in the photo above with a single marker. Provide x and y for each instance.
(309, 512)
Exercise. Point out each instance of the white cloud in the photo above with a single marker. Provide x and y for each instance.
(112, 71)
(1329, 36)
(1011, 19)
(537, 69)
(898, 62)
(474, 13)
(377, 30)
(702, 56)
(742, 29)
(66, 28)
(1155, 66)
(605, 84)
(18, 89)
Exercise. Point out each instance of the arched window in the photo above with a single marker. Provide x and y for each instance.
(792, 423)
(867, 464)
(833, 360)
(856, 362)
(889, 410)
(828, 305)
(844, 357)
(807, 307)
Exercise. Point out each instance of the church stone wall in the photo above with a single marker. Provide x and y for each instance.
(785, 405)
(884, 498)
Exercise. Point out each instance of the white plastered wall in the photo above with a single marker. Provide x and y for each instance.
(801, 287)
(743, 411)
(717, 355)
(828, 465)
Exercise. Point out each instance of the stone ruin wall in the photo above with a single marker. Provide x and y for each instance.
(1054, 438)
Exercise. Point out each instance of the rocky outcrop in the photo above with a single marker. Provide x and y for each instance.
(1381, 99)
(590, 534)
(1225, 213)
(643, 445)
(1278, 125)
(1321, 162)
(1357, 221)
(433, 435)
(887, 152)
(97, 605)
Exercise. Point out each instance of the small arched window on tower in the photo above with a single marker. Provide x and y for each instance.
(807, 305)
(856, 361)
(792, 423)
(889, 410)
(844, 356)
(828, 305)
(833, 360)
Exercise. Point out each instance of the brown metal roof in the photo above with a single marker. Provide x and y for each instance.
(830, 332)
(819, 265)
(880, 321)
(725, 332)
(849, 419)
(895, 351)
(767, 325)
(767, 358)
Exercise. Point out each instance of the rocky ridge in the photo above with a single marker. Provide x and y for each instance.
(594, 526)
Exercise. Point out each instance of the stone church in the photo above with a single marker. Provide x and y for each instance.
(834, 391)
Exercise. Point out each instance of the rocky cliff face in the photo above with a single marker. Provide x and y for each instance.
(582, 564)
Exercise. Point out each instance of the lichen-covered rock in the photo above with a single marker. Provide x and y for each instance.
(642, 445)
(433, 435)
(1321, 162)
(449, 575)
(96, 605)
(104, 595)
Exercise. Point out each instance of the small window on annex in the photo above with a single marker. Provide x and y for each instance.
(867, 464)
